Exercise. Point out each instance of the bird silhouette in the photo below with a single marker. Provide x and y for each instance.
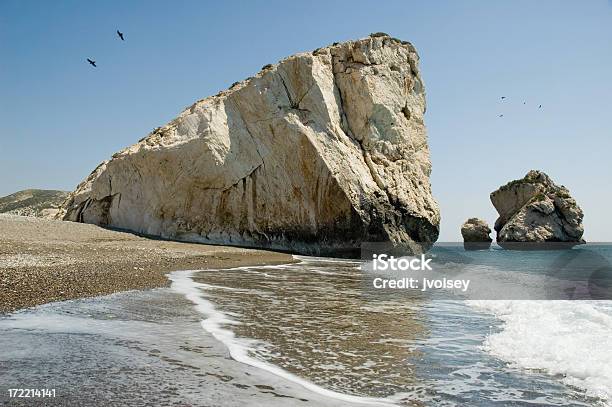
(524, 102)
(503, 97)
(501, 115)
(120, 34)
(93, 63)
(539, 107)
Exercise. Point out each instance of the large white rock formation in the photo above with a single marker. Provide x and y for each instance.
(315, 154)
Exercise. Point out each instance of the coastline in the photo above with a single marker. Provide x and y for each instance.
(45, 261)
(151, 339)
(183, 283)
(216, 333)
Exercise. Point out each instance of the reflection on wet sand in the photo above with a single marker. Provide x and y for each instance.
(319, 324)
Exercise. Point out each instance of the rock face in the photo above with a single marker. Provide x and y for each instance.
(315, 154)
(535, 210)
(41, 203)
(475, 234)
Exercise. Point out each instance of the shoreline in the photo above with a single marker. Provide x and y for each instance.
(154, 338)
(44, 261)
(212, 322)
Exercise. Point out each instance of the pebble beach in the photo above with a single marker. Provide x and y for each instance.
(48, 260)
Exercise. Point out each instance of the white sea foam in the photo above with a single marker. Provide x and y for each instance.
(239, 347)
(568, 338)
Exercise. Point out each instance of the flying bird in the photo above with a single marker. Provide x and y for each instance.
(539, 107)
(503, 97)
(501, 115)
(93, 63)
(120, 34)
(524, 102)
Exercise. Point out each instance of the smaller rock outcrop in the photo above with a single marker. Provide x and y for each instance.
(475, 234)
(536, 210)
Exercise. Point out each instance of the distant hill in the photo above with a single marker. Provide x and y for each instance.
(41, 203)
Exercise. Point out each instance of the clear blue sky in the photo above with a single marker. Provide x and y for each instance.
(60, 117)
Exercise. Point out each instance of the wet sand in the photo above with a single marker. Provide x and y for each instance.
(45, 260)
(139, 348)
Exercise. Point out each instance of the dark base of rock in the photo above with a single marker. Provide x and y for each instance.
(477, 245)
(527, 246)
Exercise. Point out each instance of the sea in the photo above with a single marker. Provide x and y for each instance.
(316, 333)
